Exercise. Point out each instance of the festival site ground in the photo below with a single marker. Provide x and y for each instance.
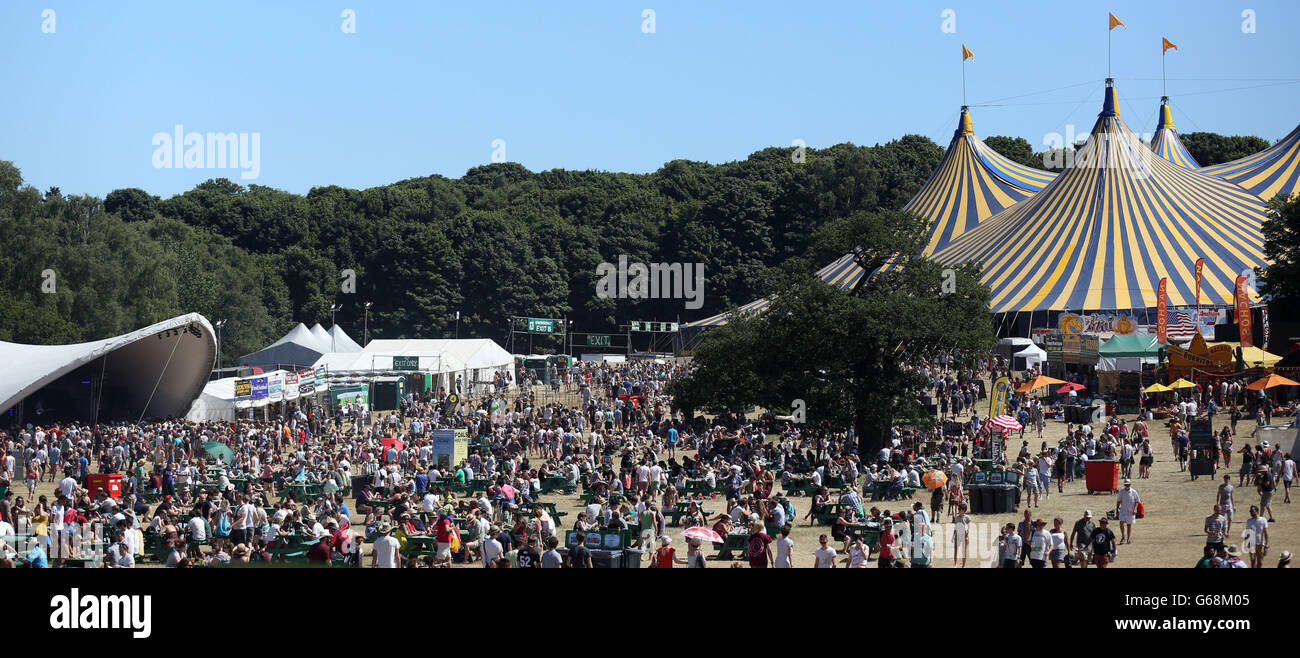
(1171, 535)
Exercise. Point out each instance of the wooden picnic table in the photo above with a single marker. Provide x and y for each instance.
(735, 541)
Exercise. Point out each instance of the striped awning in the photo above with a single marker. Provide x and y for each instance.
(1166, 143)
(972, 183)
(1104, 232)
(1273, 171)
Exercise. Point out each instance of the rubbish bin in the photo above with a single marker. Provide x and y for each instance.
(976, 499)
(603, 559)
(631, 558)
(989, 499)
(1007, 494)
(111, 483)
(1101, 476)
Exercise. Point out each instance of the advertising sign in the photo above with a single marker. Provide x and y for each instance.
(259, 388)
(243, 388)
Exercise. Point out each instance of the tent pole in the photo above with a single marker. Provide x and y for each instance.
(160, 376)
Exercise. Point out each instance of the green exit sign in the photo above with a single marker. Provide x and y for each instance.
(659, 327)
(541, 326)
(597, 340)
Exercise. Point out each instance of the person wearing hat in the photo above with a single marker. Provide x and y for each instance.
(1284, 560)
(384, 554)
(1126, 504)
(1081, 539)
(1231, 558)
(1264, 485)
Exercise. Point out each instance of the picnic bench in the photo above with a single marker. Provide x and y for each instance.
(880, 488)
(682, 509)
(734, 542)
(797, 487)
(553, 483)
(555, 514)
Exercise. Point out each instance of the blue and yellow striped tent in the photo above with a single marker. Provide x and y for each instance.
(1166, 143)
(972, 183)
(1273, 171)
(1117, 220)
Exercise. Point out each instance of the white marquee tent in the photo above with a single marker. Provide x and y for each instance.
(473, 360)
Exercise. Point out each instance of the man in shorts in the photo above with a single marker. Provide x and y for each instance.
(1264, 484)
(1225, 500)
(1216, 528)
(1103, 544)
(1081, 539)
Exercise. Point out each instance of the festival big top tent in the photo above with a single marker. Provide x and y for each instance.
(1103, 233)
(1166, 143)
(972, 183)
(1273, 171)
(154, 371)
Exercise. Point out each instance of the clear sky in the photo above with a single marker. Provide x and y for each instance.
(426, 87)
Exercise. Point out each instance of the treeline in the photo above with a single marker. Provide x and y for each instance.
(497, 242)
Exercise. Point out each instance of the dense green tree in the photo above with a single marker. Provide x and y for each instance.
(1015, 149)
(1281, 281)
(1211, 148)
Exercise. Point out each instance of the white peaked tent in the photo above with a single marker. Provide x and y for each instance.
(215, 403)
(342, 341)
(322, 335)
(155, 371)
(1032, 355)
(299, 347)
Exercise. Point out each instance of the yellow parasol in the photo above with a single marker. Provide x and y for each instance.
(1157, 388)
(1181, 383)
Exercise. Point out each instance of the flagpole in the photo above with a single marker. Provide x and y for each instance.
(1108, 31)
(1163, 50)
(963, 81)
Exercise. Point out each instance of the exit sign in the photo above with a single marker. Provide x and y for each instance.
(597, 340)
(541, 326)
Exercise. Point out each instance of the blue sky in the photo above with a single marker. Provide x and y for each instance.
(426, 87)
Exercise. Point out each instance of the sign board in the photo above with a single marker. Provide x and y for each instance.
(657, 327)
(450, 447)
(320, 376)
(275, 387)
(350, 394)
(259, 388)
(597, 340)
(1202, 435)
(243, 388)
(406, 363)
(541, 326)
(1001, 395)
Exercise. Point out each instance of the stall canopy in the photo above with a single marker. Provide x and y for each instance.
(1033, 355)
(154, 371)
(1128, 352)
(1251, 355)
(472, 360)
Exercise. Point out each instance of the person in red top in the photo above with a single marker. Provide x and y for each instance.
(887, 545)
(666, 555)
(760, 547)
(444, 530)
(319, 552)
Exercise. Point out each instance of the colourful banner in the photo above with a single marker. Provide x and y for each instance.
(1096, 323)
(999, 397)
(1162, 312)
(243, 388)
(1263, 316)
(1243, 313)
(259, 388)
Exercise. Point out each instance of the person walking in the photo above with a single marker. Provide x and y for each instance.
(1264, 485)
(1224, 500)
(1257, 531)
(1126, 505)
(1081, 539)
(1103, 544)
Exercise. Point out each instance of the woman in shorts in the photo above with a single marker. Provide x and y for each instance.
(1145, 459)
(1057, 554)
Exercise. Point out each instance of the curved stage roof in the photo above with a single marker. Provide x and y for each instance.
(1110, 226)
(154, 372)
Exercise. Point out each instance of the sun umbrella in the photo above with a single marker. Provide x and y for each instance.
(1038, 382)
(1181, 383)
(1071, 386)
(1269, 382)
(1006, 423)
(219, 450)
(393, 443)
(1157, 388)
(703, 534)
(934, 478)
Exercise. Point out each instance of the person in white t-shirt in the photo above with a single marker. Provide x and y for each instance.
(784, 547)
(385, 554)
(1257, 529)
(825, 555)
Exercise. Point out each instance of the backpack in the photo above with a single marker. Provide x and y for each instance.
(1140, 511)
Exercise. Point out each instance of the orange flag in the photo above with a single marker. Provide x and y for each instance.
(1243, 312)
(1167, 45)
(1162, 312)
(1115, 22)
(966, 53)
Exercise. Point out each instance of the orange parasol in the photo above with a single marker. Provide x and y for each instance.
(1269, 382)
(934, 478)
(1039, 382)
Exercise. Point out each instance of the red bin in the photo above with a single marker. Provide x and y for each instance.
(1101, 476)
(111, 483)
